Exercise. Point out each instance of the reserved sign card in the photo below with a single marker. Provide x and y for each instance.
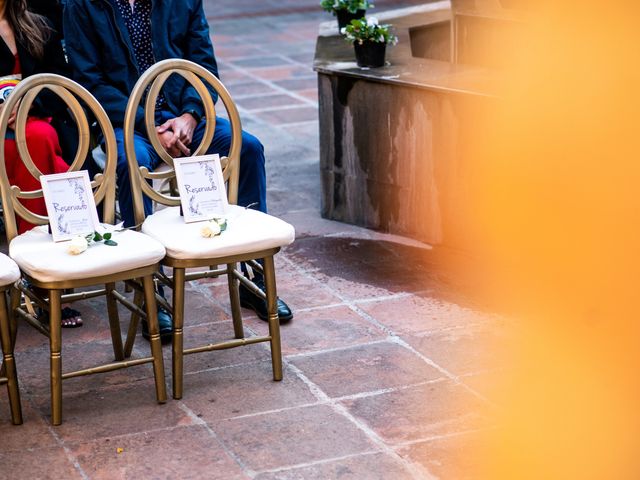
(70, 204)
(202, 191)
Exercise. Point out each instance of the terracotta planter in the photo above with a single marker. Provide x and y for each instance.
(370, 54)
(345, 17)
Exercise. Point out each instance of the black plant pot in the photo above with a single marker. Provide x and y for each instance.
(370, 54)
(345, 17)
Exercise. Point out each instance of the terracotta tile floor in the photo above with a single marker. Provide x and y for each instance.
(384, 361)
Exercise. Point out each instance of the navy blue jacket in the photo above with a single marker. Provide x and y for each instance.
(102, 60)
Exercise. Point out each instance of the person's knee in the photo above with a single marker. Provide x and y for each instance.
(143, 159)
(252, 161)
(251, 146)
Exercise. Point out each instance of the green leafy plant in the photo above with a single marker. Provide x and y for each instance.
(104, 238)
(352, 5)
(369, 30)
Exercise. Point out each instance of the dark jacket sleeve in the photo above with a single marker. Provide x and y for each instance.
(84, 59)
(199, 50)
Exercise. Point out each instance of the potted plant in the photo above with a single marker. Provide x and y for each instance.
(346, 10)
(370, 40)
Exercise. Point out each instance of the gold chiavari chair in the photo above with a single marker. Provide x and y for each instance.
(47, 267)
(249, 235)
(9, 274)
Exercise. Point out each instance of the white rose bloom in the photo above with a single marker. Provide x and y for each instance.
(210, 229)
(372, 21)
(77, 245)
(343, 30)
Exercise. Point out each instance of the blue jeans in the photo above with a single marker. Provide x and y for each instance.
(252, 185)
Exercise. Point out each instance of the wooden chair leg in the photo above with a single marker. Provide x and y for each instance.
(274, 321)
(178, 327)
(133, 324)
(154, 333)
(114, 322)
(9, 364)
(55, 348)
(14, 298)
(234, 297)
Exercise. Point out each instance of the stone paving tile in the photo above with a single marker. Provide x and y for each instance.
(298, 83)
(469, 349)
(259, 62)
(456, 457)
(374, 466)
(183, 452)
(108, 412)
(230, 76)
(491, 384)
(299, 290)
(233, 52)
(32, 434)
(250, 88)
(202, 308)
(296, 436)
(324, 329)
(40, 463)
(421, 412)
(311, 94)
(416, 314)
(308, 225)
(365, 368)
(243, 390)
(268, 102)
(360, 268)
(289, 115)
(282, 72)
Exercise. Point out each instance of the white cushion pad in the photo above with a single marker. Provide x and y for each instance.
(9, 271)
(247, 231)
(42, 259)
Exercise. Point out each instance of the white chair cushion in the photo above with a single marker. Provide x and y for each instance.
(9, 271)
(247, 231)
(41, 258)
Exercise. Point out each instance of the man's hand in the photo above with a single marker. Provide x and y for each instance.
(182, 128)
(172, 144)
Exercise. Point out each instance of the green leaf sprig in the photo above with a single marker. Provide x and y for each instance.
(104, 238)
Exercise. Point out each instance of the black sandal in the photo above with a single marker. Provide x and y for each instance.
(67, 315)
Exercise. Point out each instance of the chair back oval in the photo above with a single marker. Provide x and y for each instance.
(151, 83)
(71, 93)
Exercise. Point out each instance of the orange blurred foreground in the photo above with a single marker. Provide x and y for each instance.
(559, 221)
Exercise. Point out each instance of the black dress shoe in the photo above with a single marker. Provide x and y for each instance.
(165, 322)
(248, 299)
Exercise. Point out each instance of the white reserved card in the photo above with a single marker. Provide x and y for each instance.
(201, 185)
(70, 204)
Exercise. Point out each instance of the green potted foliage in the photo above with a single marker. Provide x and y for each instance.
(370, 40)
(346, 10)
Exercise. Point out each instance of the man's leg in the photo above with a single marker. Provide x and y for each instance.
(252, 191)
(146, 156)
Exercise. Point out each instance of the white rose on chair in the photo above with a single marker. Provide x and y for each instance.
(213, 228)
(77, 245)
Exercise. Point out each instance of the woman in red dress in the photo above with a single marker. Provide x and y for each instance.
(29, 45)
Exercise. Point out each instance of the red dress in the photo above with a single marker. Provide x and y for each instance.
(44, 148)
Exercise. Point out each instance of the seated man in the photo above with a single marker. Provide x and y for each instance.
(110, 43)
